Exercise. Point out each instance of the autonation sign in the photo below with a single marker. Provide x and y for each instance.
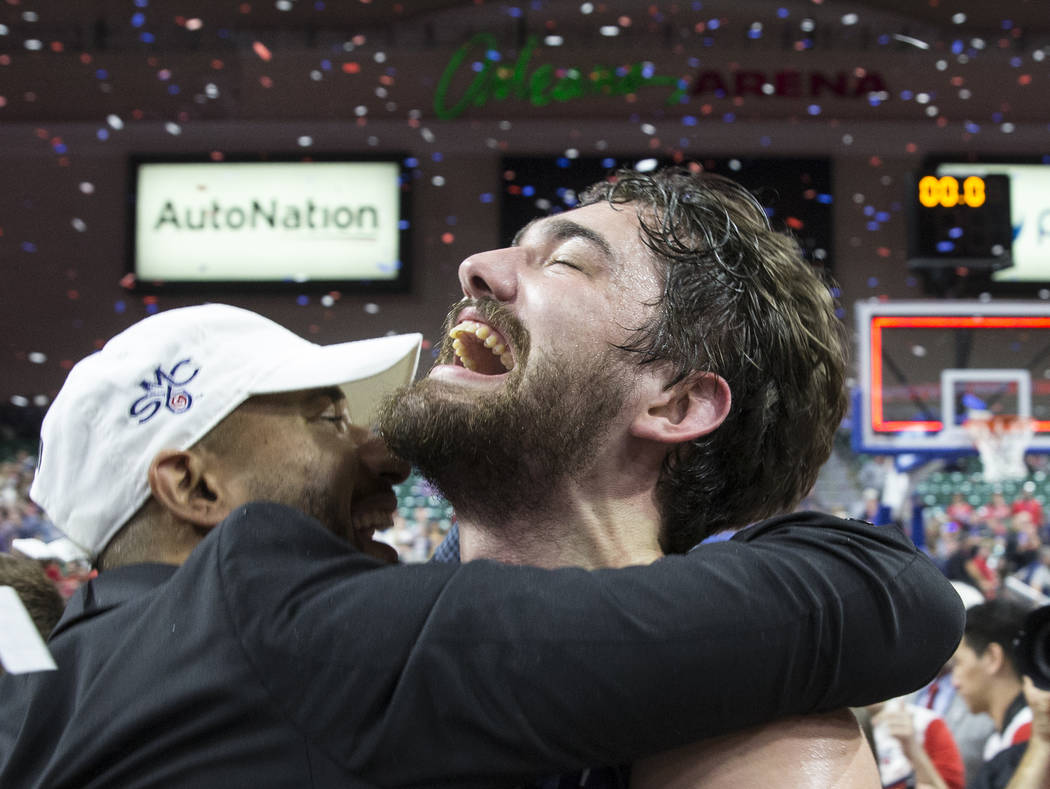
(267, 221)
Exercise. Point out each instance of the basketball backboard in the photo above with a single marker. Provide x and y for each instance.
(926, 367)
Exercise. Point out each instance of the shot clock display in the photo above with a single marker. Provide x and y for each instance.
(961, 221)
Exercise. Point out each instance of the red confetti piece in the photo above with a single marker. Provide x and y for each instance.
(447, 238)
(260, 49)
(794, 223)
(352, 68)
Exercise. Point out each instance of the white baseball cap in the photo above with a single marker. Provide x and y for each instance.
(164, 383)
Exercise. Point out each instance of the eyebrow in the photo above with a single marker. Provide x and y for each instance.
(564, 230)
(327, 393)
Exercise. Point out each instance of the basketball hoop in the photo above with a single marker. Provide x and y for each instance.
(1001, 442)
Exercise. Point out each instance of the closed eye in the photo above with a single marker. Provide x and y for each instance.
(565, 263)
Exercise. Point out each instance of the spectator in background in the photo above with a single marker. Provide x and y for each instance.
(1037, 574)
(914, 747)
(1027, 502)
(969, 564)
(960, 510)
(994, 515)
(1022, 545)
(987, 677)
(970, 730)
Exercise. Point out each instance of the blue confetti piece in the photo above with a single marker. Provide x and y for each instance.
(945, 246)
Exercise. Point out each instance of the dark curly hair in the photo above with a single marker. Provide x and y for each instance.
(739, 300)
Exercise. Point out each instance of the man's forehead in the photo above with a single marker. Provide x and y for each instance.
(598, 224)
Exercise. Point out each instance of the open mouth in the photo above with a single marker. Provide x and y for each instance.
(480, 348)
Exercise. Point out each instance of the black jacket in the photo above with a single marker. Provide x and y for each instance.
(277, 656)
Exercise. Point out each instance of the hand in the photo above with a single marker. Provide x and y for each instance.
(898, 721)
(1039, 701)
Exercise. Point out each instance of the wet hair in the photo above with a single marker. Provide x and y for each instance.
(739, 300)
(998, 621)
(39, 594)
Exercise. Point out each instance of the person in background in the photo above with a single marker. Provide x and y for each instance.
(986, 676)
(915, 747)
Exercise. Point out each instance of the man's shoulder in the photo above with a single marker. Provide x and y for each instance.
(813, 523)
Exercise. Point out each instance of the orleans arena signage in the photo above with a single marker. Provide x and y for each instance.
(267, 221)
(478, 74)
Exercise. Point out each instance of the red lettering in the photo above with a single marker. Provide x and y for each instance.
(709, 82)
(788, 83)
(749, 82)
(869, 83)
(818, 83)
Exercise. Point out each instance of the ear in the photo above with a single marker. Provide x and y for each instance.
(184, 484)
(994, 658)
(691, 408)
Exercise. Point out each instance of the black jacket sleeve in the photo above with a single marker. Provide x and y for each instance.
(410, 673)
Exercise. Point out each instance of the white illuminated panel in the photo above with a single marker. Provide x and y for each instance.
(267, 221)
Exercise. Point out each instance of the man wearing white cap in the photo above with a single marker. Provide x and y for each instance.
(245, 628)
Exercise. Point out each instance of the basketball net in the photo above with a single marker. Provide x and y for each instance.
(1001, 442)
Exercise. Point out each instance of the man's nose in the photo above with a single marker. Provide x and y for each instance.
(374, 455)
(492, 274)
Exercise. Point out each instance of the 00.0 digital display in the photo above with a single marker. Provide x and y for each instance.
(944, 191)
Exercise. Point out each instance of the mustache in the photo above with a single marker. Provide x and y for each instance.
(497, 316)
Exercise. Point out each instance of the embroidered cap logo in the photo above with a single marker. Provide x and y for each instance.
(166, 390)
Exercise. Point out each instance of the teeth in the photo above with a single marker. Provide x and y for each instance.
(373, 520)
(489, 339)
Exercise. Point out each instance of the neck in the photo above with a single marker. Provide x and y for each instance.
(1002, 697)
(605, 518)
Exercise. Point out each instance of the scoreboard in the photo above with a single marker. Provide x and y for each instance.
(961, 220)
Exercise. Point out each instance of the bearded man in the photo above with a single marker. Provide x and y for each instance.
(628, 378)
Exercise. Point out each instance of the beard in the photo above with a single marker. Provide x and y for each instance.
(500, 455)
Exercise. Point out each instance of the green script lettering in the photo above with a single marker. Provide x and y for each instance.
(545, 84)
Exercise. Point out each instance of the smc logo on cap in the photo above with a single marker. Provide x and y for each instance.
(166, 390)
